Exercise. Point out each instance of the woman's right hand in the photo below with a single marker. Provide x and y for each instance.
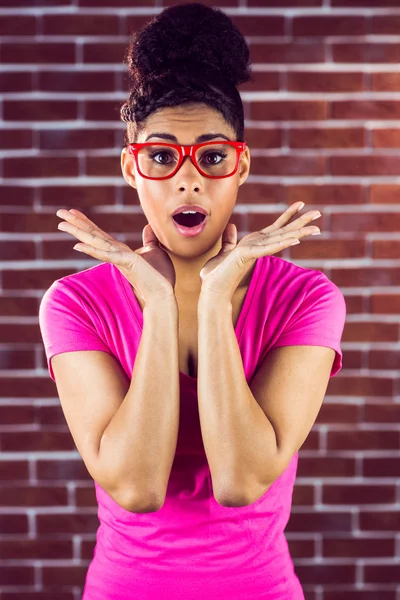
(149, 269)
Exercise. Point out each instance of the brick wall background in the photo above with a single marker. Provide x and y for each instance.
(322, 122)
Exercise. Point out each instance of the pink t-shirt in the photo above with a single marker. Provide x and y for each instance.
(193, 548)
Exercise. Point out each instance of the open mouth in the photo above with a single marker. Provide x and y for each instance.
(189, 220)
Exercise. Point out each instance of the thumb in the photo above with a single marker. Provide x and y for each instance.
(229, 238)
(149, 238)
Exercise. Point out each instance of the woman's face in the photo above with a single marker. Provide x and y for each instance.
(160, 198)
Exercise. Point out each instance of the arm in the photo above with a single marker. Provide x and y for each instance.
(249, 438)
(139, 443)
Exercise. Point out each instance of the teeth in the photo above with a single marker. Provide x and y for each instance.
(189, 212)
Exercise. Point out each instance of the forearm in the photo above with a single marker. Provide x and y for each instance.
(139, 443)
(239, 440)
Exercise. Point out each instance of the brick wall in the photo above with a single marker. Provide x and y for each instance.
(322, 122)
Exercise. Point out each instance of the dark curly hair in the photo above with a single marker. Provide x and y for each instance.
(187, 54)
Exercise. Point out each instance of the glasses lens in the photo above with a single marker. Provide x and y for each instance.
(215, 160)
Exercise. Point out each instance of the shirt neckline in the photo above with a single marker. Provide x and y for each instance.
(138, 314)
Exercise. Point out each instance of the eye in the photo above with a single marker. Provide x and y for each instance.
(158, 153)
(215, 153)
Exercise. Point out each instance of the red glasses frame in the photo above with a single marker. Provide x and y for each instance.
(187, 151)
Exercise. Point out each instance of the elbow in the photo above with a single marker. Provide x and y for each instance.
(140, 503)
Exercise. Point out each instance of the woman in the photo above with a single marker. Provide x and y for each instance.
(190, 371)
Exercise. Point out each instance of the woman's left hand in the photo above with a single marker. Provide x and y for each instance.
(222, 274)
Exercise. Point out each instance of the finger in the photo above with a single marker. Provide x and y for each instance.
(274, 245)
(92, 237)
(76, 217)
(116, 256)
(283, 221)
(149, 238)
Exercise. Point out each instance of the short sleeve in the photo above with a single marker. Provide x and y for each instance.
(65, 323)
(318, 321)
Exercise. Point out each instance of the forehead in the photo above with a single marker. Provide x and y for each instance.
(187, 122)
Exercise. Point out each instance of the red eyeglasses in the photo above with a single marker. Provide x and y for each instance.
(227, 153)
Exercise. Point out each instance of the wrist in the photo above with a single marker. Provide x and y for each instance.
(211, 299)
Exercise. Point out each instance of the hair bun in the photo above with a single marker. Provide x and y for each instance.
(190, 38)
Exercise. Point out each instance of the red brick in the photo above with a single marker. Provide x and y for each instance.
(364, 165)
(102, 110)
(385, 82)
(18, 306)
(38, 52)
(254, 25)
(381, 193)
(385, 304)
(366, 222)
(103, 166)
(383, 520)
(330, 574)
(76, 81)
(288, 110)
(330, 25)
(326, 466)
(386, 138)
(385, 466)
(341, 547)
(17, 25)
(17, 359)
(364, 3)
(324, 195)
(36, 549)
(28, 4)
(311, 248)
(365, 109)
(324, 137)
(104, 53)
(15, 81)
(379, 412)
(338, 413)
(288, 165)
(281, 52)
(16, 139)
(385, 248)
(270, 137)
(262, 80)
(284, 3)
(301, 548)
(19, 415)
(384, 359)
(385, 24)
(75, 196)
(314, 81)
(320, 521)
(254, 193)
(363, 440)
(80, 24)
(76, 139)
(371, 52)
(382, 574)
(40, 110)
(41, 166)
(38, 441)
(11, 575)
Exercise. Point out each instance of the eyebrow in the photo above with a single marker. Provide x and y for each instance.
(201, 138)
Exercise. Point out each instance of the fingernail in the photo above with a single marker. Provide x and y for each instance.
(301, 206)
(296, 242)
(316, 233)
(316, 217)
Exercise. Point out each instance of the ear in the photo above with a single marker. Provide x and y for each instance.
(244, 166)
(128, 167)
